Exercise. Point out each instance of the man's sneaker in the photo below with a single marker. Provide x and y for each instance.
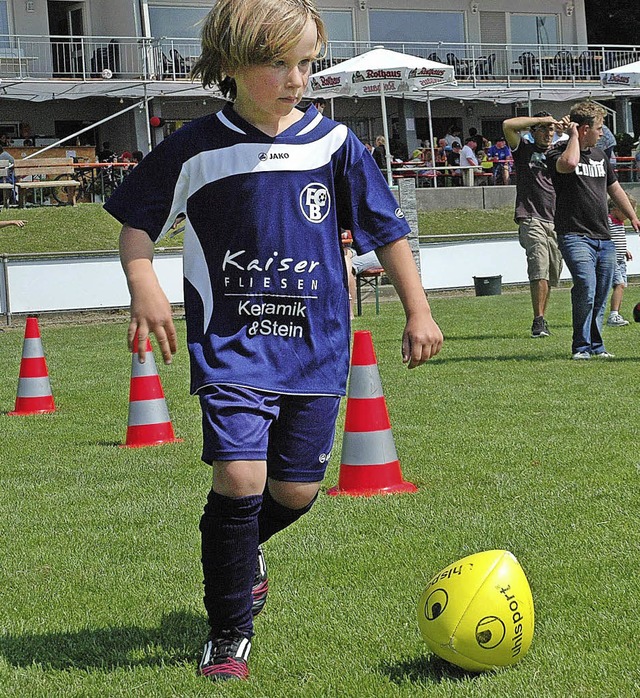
(539, 327)
(604, 355)
(225, 657)
(260, 587)
(581, 355)
(616, 320)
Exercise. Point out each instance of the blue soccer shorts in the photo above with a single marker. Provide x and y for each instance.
(292, 433)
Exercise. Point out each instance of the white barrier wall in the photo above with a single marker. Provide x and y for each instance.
(453, 265)
(75, 283)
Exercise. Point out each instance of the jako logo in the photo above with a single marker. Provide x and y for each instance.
(272, 156)
(315, 202)
(399, 213)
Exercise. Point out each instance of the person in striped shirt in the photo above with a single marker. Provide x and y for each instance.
(619, 237)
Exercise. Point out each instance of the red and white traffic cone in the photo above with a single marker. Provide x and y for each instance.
(34, 389)
(369, 462)
(149, 422)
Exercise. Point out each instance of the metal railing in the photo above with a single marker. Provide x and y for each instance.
(132, 58)
(511, 64)
(96, 57)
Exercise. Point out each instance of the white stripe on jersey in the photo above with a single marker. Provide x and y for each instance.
(309, 127)
(228, 124)
(197, 273)
(245, 158)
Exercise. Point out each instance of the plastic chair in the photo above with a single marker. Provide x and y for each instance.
(484, 66)
(460, 68)
(585, 65)
(179, 63)
(563, 63)
(529, 63)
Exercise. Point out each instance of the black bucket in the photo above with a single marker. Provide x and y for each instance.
(488, 285)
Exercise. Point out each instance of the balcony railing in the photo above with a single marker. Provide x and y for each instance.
(96, 57)
(511, 64)
(131, 58)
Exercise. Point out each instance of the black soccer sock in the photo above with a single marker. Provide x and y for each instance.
(274, 517)
(229, 529)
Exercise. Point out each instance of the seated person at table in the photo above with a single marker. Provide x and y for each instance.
(453, 160)
(362, 262)
(356, 264)
(106, 154)
(500, 154)
(380, 152)
(468, 156)
(427, 175)
(485, 164)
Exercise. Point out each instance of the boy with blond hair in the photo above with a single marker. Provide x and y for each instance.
(265, 190)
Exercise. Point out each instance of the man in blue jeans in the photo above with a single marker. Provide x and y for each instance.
(582, 176)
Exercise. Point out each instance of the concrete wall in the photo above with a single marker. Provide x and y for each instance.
(481, 197)
(464, 197)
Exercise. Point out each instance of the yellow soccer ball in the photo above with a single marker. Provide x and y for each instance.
(478, 612)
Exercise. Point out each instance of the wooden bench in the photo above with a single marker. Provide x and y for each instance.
(44, 172)
(371, 278)
(5, 187)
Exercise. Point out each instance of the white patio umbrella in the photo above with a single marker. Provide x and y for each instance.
(621, 77)
(381, 72)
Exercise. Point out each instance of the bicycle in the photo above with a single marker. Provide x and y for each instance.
(92, 185)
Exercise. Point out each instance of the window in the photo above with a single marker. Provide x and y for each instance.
(4, 24)
(392, 25)
(176, 22)
(339, 24)
(534, 30)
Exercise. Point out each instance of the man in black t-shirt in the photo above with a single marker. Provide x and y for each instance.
(582, 176)
(535, 208)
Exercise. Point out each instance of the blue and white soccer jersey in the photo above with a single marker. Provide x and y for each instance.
(265, 286)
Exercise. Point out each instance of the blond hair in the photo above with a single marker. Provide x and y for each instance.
(239, 33)
(586, 113)
(613, 205)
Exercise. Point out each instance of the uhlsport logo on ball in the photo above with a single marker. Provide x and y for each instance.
(478, 612)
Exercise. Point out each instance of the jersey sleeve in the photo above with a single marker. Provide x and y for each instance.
(147, 198)
(366, 205)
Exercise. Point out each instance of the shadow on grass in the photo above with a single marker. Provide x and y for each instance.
(177, 640)
(424, 669)
(489, 358)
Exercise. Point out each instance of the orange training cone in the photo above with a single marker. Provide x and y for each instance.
(34, 389)
(149, 422)
(369, 462)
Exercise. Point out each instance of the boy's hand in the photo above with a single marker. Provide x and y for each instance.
(150, 309)
(151, 313)
(422, 339)
(628, 255)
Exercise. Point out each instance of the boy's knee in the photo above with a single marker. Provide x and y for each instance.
(294, 495)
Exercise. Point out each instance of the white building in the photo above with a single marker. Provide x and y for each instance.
(67, 66)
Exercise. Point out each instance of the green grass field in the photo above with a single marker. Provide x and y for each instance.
(90, 227)
(512, 446)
